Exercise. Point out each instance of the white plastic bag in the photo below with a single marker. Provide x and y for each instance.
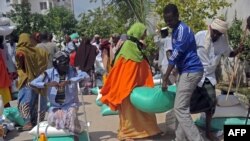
(4, 21)
(98, 98)
(157, 81)
(230, 101)
(6, 30)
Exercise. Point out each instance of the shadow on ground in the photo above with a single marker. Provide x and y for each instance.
(11, 135)
(103, 136)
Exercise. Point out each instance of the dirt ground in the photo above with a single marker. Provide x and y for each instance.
(102, 128)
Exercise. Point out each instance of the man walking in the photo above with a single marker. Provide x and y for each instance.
(212, 44)
(190, 68)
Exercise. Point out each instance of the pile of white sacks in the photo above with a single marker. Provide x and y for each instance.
(230, 107)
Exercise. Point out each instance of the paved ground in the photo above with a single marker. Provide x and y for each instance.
(102, 128)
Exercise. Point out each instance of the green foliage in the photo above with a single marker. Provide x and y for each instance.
(26, 21)
(95, 22)
(242, 89)
(235, 35)
(130, 10)
(38, 22)
(115, 16)
(60, 21)
(151, 49)
(194, 12)
(22, 17)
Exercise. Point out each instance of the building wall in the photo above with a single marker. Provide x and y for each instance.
(35, 5)
(238, 7)
(66, 3)
(5, 5)
(241, 7)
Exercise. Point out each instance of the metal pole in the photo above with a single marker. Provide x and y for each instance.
(81, 92)
(38, 116)
(248, 113)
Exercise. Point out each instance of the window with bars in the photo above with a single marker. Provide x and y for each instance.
(15, 1)
(50, 5)
(25, 1)
(43, 6)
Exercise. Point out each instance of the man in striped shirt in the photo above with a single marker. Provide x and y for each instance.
(190, 69)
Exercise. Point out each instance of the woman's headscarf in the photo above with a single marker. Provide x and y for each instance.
(105, 44)
(24, 40)
(129, 49)
(85, 55)
(137, 30)
(31, 61)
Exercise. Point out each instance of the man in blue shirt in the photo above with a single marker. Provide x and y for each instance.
(190, 69)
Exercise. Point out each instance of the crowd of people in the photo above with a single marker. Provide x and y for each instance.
(40, 67)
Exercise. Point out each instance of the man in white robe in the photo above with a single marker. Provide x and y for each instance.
(212, 44)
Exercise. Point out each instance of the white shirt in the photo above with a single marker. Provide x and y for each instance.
(99, 55)
(11, 61)
(211, 57)
(167, 47)
(164, 45)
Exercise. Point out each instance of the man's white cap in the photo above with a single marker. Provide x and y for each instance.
(219, 25)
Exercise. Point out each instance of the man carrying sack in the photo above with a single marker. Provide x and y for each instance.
(211, 45)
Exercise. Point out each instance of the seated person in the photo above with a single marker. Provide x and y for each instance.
(61, 83)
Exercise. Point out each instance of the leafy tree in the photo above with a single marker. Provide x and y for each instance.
(134, 10)
(235, 37)
(129, 11)
(94, 22)
(26, 21)
(116, 16)
(21, 15)
(194, 12)
(60, 21)
(38, 23)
